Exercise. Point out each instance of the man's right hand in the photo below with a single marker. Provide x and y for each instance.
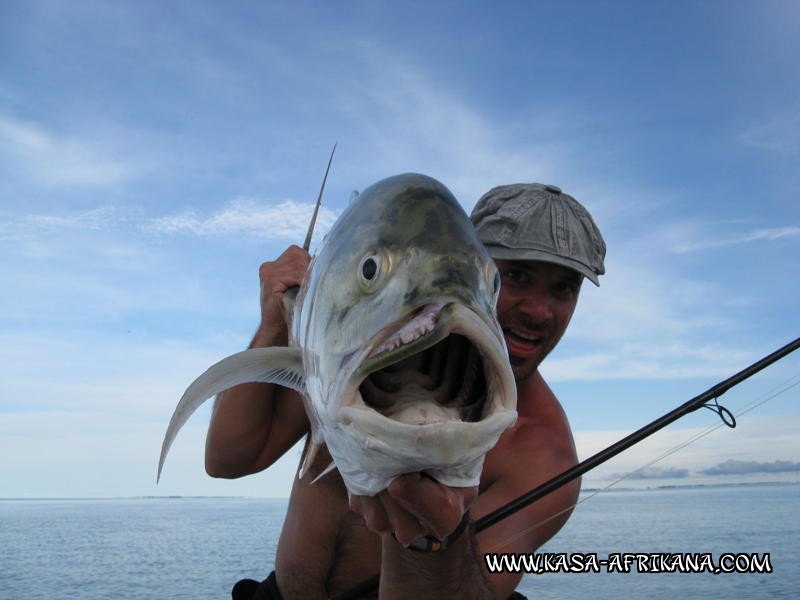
(276, 277)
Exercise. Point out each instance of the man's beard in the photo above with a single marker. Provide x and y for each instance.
(520, 363)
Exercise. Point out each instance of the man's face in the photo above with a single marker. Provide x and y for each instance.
(536, 302)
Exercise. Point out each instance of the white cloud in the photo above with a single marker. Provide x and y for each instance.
(770, 234)
(288, 220)
(778, 133)
(58, 160)
(408, 119)
(755, 438)
(30, 226)
(91, 453)
(645, 324)
(643, 360)
(126, 376)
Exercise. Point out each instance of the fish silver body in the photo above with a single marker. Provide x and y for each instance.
(394, 344)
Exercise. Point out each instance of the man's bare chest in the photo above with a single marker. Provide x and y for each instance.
(324, 548)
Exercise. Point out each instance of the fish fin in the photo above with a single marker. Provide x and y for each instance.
(311, 454)
(288, 302)
(328, 469)
(283, 366)
(307, 243)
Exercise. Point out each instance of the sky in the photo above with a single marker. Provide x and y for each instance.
(153, 154)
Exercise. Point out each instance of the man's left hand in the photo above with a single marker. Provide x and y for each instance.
(415, 505)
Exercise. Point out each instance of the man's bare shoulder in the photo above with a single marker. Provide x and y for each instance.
(538, 447)
(541, 432)
(538, 405)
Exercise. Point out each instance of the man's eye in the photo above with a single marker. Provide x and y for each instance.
(515, 276)
(565, 290)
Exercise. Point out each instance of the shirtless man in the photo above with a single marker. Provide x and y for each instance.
(544, 243)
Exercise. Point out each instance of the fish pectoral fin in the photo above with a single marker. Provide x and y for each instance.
(328, 469)
(314, 445)
(288, 302)
(282, 366)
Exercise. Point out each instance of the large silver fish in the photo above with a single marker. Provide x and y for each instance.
(394, 345)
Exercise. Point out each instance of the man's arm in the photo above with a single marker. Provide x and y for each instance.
(253, 424)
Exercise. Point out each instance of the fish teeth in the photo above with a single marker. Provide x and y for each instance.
(414, 329)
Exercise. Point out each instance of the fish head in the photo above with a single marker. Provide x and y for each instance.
(405, 364)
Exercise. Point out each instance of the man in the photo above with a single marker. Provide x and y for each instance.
(544, 242)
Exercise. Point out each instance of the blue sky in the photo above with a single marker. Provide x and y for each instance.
(153, 154)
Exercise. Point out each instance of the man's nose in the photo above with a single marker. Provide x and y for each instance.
(536, 305)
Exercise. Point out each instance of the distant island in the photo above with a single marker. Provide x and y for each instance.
(729, 467)
(743, 467)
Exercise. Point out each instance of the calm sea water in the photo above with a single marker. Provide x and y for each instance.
(197, 548)
(717, 520)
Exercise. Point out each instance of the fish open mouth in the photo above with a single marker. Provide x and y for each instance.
(443, 382)
(428, 371)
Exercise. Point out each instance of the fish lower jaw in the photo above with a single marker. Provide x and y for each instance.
(371, 450)
(424, 413)
(371, 424)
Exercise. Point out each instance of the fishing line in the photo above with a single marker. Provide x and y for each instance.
(778, 390)
(770, 395)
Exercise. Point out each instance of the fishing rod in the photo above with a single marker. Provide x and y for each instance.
(707, 399)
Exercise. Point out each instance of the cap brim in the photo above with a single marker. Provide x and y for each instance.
(504, 253)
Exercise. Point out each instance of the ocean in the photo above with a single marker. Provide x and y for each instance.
(182, 548)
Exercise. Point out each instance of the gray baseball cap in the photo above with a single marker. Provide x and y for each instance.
(532, 221)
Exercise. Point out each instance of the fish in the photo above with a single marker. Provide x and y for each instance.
(394, 344)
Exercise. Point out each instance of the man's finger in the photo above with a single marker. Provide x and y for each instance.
(439, 507)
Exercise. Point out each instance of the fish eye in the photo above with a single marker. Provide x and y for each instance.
(493, 276)
(370, 268)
